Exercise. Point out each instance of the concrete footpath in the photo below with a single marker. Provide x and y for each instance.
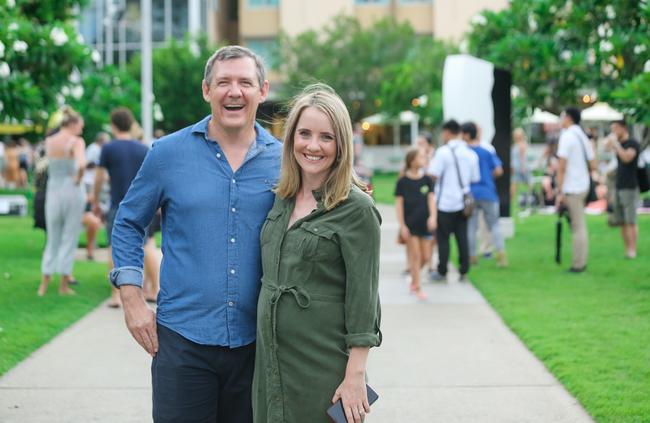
(449, 359)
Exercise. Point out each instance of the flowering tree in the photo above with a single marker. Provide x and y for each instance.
(560, 50)
(41, 57)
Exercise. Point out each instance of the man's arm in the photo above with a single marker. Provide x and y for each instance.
(134, 214)
(626, 155)
(100, 175)
(561, 171)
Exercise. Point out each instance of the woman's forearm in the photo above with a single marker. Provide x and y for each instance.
(357, 361)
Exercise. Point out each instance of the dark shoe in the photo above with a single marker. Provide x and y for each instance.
(463, 278)
(73, 282)
(577, 270)
(437, 277)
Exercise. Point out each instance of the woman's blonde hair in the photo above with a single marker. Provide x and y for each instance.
(336, 187)
(69, 116)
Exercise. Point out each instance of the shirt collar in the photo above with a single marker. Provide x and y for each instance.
(262, 136)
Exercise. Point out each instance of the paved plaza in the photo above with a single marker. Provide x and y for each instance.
(449, 359)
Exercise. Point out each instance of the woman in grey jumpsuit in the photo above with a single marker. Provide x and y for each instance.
(64, 200)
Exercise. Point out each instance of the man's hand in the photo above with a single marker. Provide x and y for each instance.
(559, 200)
(140, 319)
(97, 211)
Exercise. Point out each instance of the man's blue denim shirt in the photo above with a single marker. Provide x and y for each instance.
(211, 220)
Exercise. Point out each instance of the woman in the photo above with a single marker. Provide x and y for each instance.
(518, 161)
(318, 311)
(64, 200)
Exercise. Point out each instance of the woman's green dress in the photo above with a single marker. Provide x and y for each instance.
(318, 299)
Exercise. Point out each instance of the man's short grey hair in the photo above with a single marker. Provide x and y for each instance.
(231, 53)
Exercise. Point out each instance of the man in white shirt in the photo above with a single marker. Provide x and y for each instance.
(576, 162)
(454, 167)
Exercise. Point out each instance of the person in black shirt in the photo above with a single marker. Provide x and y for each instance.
(416, 214)
(627, 184)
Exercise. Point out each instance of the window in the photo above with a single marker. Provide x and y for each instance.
(266, 48)
(371, 1)
(416, 1)
(263, 3)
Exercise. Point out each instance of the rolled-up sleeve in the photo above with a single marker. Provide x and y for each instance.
(133, 216)
(360, 250)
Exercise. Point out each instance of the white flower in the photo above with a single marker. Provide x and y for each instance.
(606, 68)
(43, 114)
(611, 13)
(77, 91)
(194, 49)
(591, 56)
(602, 30)
(5, 70)
(637, 49)
(96, 56)
(646, 67)
(2, 106)
(560, 34)
(58, 36)
(12, 26)
(566, 55)
(65, 91)
(479, 19)
(80, 39)
(75, 76)
(20, 46)
(606, 46)
(60, 100)
(2, 49)
(11, 4)
(532, 23)
(464, 47)
(552, 9)
(610, 32)
(514, 91)
(157, 112)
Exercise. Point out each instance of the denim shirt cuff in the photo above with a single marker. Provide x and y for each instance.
(127, 275)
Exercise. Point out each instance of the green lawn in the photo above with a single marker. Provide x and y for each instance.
(592, 331)
(27, 321)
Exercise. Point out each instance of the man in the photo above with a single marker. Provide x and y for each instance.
(454, 167)
(485, 195)
(120, 158)
(213, 183)
(576, 162)
(627, 184)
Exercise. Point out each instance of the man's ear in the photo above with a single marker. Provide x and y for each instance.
(205, 88)
(265, 91)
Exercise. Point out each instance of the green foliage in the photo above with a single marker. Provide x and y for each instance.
(177, 74)
(379, 69)
(590, 330)
(557, 48)
(39, 50)
(104, 89)
(27, 321)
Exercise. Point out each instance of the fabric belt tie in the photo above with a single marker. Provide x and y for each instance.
(299, 294)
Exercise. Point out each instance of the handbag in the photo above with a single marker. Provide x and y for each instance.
(468, 198)
(642, 176)
(591, 194)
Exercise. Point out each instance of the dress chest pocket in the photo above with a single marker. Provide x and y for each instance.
(270, 226)
(318, 242)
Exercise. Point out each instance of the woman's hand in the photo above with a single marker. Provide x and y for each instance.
(352, 393)
(432, 224)
(405, 233)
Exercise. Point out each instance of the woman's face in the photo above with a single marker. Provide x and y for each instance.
(314, 144)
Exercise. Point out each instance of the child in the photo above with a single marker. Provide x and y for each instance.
(416, 214)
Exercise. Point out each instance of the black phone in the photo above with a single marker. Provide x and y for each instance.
(336, 413)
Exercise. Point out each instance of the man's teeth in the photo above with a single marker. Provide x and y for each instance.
(234, 107)
(313, 158)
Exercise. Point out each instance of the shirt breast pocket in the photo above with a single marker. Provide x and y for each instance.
(319, 243)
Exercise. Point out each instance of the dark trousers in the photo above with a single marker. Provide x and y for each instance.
(452, 223)
(201, 383)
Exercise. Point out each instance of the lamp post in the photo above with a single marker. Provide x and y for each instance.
(145, 72)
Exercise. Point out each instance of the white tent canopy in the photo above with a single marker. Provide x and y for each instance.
(600, 112)
(542, 116)
(406, 117)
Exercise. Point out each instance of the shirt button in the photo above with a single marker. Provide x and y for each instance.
(230, 304)
(232, 271)
(233, 181)
(233, 210)
(218, 155)
(232, 240)
(315, 229)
